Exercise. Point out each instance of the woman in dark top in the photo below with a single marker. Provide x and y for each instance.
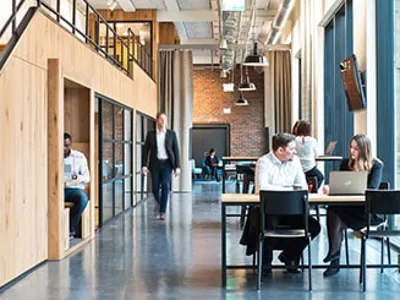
(339, 217)
(212, 162)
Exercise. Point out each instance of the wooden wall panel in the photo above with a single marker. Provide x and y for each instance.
(31, 183)
(168, 33)
(76, 114)
(45, 39)
(23, 160)
(56, 159)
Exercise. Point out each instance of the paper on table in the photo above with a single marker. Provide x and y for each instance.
(67, 172)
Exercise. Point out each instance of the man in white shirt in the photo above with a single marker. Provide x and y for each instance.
(281, 170)
(76, 175)
(162, 147)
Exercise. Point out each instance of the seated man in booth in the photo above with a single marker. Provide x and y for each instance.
(76, 175)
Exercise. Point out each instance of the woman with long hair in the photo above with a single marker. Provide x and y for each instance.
(339, 217)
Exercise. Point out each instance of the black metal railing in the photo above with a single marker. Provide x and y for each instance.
(12, 19)
(119, 51)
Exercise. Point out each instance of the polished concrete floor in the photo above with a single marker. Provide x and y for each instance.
(139, 257)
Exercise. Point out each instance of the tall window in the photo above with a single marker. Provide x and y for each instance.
(338, 45)
(396, 11)
(115, 157)
(143, 125)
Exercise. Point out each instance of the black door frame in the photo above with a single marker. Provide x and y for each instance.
(227, 128)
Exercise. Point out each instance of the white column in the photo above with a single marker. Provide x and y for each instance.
(360, 50)
(371, 61)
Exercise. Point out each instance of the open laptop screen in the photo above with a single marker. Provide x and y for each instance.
(347, 182)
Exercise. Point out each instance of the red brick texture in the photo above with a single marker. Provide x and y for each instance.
(248, 137)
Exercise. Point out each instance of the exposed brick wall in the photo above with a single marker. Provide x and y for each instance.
(246, 122)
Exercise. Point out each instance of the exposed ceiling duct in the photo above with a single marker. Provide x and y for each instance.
(280, 20)
(230, 28)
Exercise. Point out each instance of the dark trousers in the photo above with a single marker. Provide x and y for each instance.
(80, 200)
(314, 172)
(161, 175)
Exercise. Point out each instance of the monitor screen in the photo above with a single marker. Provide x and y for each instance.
(352, 83)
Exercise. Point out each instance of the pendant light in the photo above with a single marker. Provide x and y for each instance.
(255, 59)
(241, 101)
(246, 85)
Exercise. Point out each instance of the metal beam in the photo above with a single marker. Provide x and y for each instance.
(199, 42)
(216, 46)
(127, 5)
(187, 16)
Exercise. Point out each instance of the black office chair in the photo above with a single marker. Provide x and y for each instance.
(275, 204)
(382, 203)
(312, 183)
(248, 177)
(385, 185)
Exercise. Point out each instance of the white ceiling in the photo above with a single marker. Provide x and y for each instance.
(204, 30)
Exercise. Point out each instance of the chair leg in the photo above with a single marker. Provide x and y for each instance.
(254, 260)
(346, 242)
(361, 261)
(388, 249)
(364, 264)
(242, 216)
(309, 265)
(260, 255)
(302, 262)
(382, 253)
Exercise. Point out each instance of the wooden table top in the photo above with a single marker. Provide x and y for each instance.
(328, 158)
(312, 198)
(240, 158)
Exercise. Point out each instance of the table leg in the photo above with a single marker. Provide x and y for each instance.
(223, 176)
(223, 244)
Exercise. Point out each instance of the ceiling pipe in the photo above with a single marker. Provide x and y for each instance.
(280, 21)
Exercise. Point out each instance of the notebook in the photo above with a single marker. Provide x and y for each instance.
(347, 183)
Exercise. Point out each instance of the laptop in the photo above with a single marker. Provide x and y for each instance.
(330, 148)
(347, 183)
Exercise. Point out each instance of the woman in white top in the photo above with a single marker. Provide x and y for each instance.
(307, 151)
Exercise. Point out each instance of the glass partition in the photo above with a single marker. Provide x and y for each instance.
(115, 158)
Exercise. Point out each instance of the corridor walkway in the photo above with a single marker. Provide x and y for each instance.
(139, 257)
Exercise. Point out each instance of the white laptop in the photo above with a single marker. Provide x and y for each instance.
(347, 183)
(330, 148)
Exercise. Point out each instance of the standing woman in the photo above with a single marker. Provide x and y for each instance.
(339, 217)
(295, 127)
(307, 151)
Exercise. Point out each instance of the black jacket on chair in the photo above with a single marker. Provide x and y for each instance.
(171, 146)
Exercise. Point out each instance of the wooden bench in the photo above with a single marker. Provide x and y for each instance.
(86, 218)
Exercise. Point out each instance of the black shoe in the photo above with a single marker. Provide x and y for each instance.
(333, 268)
(331, 271)
(331, 257)
(291, 265)
(266, 270)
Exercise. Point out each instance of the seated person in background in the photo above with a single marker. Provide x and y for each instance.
(307, 151)
(76, 175)
(339, 217)
(281, 170)
(212, 163)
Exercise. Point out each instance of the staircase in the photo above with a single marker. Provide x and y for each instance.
(84, 23)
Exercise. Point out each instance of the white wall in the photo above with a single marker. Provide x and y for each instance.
(296, 47)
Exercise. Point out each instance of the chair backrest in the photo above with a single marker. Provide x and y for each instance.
(385, 202)
(283, 203)
(193, 163)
